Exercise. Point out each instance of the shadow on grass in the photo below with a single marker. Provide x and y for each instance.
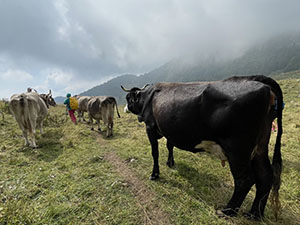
(205, 187)
(210, 189)
(49, 146)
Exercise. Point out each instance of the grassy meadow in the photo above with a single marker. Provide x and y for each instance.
(77, 176)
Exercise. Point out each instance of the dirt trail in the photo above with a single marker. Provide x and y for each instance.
(146, 199)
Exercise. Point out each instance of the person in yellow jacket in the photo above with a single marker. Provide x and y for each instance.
(70, 110)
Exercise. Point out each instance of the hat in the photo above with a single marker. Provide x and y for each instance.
(68, 95)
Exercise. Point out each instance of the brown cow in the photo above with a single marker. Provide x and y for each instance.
(102, 108)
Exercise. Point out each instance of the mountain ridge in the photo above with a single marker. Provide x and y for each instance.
(277, 55)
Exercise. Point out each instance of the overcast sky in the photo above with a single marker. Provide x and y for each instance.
(73, 45)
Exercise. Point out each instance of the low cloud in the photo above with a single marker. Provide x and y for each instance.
(93, 41)
(16, 76)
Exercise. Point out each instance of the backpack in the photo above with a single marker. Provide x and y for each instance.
(73, 103)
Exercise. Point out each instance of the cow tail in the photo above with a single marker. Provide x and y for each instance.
(22, 101)
(117, 109)
(25, 110)
(277, 160)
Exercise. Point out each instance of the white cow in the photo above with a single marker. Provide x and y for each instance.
(102, 108)
(29, 110)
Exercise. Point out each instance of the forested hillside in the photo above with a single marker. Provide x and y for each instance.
(277, 55)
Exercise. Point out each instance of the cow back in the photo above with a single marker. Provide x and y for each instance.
(191, 112)
(83, 103)
(94, 108)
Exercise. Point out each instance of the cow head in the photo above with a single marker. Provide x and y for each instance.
(133, 98)
(49, 100)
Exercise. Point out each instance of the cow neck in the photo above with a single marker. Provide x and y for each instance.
(45, 100)
(141, 116)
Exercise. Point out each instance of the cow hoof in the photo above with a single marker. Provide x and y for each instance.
(154, 176)
(170, 164)
(226, 212)
(252, 216)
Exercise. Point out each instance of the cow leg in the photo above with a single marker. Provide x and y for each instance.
(90, 117)
(263, 175)
(25, 135)
(108, 120)
(92, 126)
(98, 123)
(154, 146)
(110, 129)
(170, 162)
(82, 116)
(32, 134)
(243, 181)
(33, 141)
(79, 115)
(41, 127)
(263, 181)
(90, 121)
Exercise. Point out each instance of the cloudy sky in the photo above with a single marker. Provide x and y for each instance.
(73, 45)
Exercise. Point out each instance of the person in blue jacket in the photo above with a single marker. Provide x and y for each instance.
(70, 111)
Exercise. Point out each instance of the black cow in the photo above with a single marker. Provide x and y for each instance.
(232, 118)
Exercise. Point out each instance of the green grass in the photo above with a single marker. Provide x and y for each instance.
(287, 75)
(70, 179)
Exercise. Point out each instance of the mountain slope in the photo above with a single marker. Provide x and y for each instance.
(277, 55)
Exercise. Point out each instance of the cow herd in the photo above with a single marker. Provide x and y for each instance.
(98, 108)
(231, 118)
(30, 109)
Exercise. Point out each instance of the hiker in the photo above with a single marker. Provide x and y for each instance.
(71, 107)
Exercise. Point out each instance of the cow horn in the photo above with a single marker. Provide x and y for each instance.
(126, 90)
(49, 91)
(146, 85)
